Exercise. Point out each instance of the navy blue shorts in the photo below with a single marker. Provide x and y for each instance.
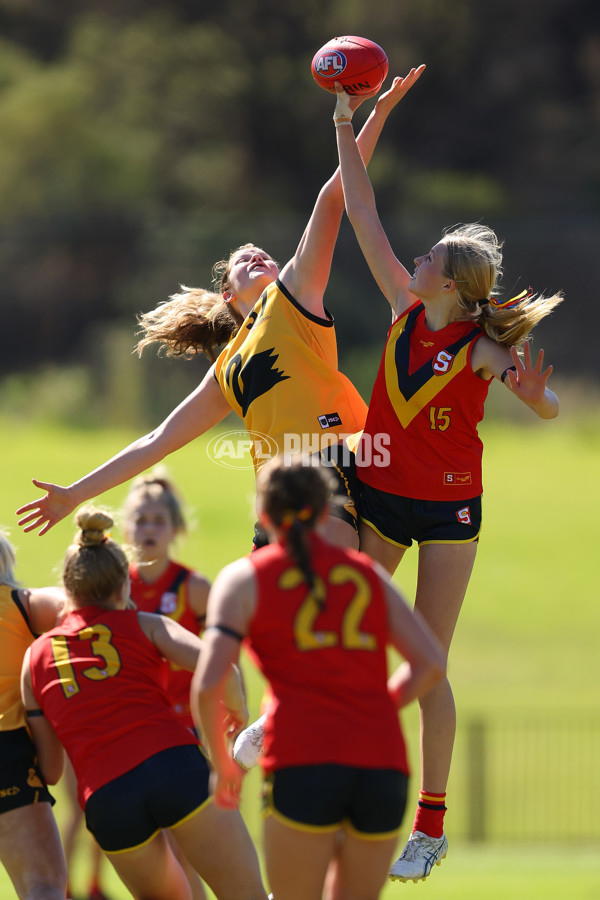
(159, 793)
(21, 782)
(400, 520)
(329, 796)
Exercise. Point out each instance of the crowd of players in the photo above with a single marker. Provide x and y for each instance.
(315, 614)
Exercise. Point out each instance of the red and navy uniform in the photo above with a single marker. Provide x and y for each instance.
(98, 681)
(429, 401)
(169, 596)
(326, 665)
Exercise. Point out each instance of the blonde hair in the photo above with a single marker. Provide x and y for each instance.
(190, 322)
(95, 567)
(157, 488)
(195, 320)
(474, 262)
(8, 561)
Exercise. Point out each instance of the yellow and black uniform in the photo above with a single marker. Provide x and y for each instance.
(280, 374)
(15, 638)
(21, 783)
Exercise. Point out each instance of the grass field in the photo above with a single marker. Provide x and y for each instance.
(526, 642)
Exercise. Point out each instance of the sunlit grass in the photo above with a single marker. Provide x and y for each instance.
(526, 641)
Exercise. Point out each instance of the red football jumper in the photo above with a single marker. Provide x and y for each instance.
(327, 666)
(428, 400)
(168, 595)
(98, 680)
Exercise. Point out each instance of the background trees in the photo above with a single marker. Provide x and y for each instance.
(142, 141)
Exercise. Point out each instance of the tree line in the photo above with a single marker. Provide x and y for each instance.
(143, 141)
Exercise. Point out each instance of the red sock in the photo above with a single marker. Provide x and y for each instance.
(430, 814)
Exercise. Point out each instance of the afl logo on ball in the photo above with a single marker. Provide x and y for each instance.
(330, 65)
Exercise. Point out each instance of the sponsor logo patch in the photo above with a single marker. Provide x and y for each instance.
(457, 478)
(329, 420)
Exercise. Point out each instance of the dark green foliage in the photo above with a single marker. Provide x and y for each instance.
(141, 141)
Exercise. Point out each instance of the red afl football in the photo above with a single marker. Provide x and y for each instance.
(357, 63)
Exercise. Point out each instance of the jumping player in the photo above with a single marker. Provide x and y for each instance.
(279, 367)
(451, 335)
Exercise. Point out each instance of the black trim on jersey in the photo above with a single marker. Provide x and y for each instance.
(176, 583)
(173, 587)
(410, 384)
(506, 371)
(230, 632)
(17, 601)
(325, 323)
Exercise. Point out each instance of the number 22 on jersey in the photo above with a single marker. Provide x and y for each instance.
(349, 636)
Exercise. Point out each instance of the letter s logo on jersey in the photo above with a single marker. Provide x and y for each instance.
(443, 362)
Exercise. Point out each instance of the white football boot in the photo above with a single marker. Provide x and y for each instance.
(419, 857)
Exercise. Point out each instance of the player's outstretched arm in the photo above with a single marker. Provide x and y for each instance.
(201, 410)
(526, 379)
(389, 273)
(306, 275)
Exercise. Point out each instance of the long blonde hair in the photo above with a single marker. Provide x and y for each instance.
(194, 320)
(474, 262)
(95, 567)
(8, 561)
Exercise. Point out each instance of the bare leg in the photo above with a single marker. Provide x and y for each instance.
(363, 867)
(32, 854)
(218, 846)
(151, 872)
(338, 532)
(73, 823)
(198, 892)
(297, 860)
(443, 577)
(299, 863)
(386, 554)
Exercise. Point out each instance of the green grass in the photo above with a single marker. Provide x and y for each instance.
(525, 647)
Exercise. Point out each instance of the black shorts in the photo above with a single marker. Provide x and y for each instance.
(400, 520)
(21, 782)
(329, 796)
(159, 793)
(341, 462)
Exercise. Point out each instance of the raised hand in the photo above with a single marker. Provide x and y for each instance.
(48, 510)
(528, 382)
(346, 104)
(399, 88)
